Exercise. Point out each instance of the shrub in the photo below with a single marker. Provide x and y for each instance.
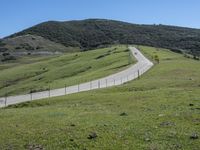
(3, 49)
(8, 58)
(17, 47)
(156, 58)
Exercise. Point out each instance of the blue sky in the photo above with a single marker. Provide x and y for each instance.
(16, 15)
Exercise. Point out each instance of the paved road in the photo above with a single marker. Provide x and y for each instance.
(142, 65)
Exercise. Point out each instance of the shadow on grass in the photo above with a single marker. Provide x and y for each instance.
(28, 105)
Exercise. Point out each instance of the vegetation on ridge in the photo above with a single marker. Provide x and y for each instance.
(92, 33)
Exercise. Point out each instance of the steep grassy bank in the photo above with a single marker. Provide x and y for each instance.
(69, 69)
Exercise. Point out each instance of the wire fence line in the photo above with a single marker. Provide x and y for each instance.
(92, 85)
(120, 78)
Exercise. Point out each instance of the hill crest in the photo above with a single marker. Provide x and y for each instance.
(91, 33)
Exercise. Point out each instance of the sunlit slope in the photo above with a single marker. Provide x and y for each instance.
(158, 111)
(69, 69)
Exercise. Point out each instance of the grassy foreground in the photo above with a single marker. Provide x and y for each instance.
(69, 69)
(160, 111)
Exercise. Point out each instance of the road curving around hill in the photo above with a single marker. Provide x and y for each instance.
(143, 64)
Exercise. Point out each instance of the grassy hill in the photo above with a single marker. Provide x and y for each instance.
(30, 45)
(160, 111)
(92, 33)
(56, 71)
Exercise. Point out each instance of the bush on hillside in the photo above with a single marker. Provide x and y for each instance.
(7, 57)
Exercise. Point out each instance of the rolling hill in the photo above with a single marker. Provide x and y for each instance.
(91, 33)
(160, 111)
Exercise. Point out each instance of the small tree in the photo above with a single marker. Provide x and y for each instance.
(1, 43)
(156, 58)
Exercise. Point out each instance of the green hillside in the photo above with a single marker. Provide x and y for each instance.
(32, 43)
(12, 49)
(38, 73)
(160, 111)
(92, 33)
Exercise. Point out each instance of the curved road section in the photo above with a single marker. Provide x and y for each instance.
(133, 72)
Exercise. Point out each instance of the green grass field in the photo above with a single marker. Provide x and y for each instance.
(56, 71)
(159, 111)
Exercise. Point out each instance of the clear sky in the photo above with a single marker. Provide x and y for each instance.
(16, 15)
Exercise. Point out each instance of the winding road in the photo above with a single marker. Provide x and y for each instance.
(133, 72)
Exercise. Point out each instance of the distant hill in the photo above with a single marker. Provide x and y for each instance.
(92, 33)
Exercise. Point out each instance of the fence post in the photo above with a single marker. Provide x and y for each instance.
(106, 82)
(129, 60)
(31, 94)
(98, 84)
(114, 81)
(65, 89)
(78, 88)
(90, 85)
(49, 92)
(138, 74)
(5, 100)
(6, 94)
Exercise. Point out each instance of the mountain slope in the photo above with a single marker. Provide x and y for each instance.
(95, 32)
